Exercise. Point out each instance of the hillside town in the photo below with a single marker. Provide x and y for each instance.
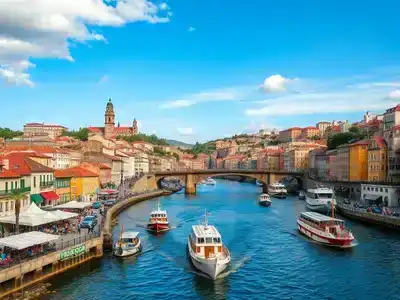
(54, 168)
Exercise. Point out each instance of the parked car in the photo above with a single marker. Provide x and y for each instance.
(109, 202)
(96, 205)
(89, 222)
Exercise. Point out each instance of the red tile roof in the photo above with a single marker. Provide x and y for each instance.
(380, 141)
(362, 142)
(122, 129)
(96, 129)
(103, 166)
(43, 125)
(8, 174)
(74, 172)
(311, 127)
(23, 165)
(393, 109)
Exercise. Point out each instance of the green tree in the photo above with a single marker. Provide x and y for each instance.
(17, 196)
(82, 134)
(8, 134)
(152, 139)
(315, 138)
(176, 156)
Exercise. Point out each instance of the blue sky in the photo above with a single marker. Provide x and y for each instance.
(197, 70)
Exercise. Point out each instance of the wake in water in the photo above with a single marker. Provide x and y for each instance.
(235, 266)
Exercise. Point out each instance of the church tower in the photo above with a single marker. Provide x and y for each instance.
(109, 123)
(134, 127)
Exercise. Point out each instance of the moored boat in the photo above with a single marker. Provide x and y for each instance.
(207, 252)
(320, 199)
(277, 190)
(302, 195)
(128, 244)
(259, 183)
(210, 181)
(325, 230)
(265, 200)
(158, 221)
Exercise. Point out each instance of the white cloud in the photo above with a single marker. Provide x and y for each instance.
(394, 94)
(185, 131)
(191, 29)
(276, 83)
(103, 79)
(15, 74)
(353, 100)
(47, 28)
(221, 95)
(164, 6)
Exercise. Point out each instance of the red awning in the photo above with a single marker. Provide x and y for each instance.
(50, 196)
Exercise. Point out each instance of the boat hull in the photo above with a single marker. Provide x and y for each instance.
(265, 203)
(280, 195)
(125, 252)
(320, 206)
(211, 267)
(158, 227)
(322, 238)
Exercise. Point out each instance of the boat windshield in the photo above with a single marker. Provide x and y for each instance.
(324, 195)
(209, 240)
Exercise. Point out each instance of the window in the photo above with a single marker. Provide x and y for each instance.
(12, 185)
(209, 240)
(386, 190)
(376, 189)
(1, 206)
(381, 189)
(6, 187)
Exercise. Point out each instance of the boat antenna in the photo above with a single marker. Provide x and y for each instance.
(205, 218)
(158, 204)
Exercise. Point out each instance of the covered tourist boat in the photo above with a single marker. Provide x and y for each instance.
(320, 199)
(325, 229)
(277, 190)
(128, 244)
(207, 252)
(158, 220)
(265, 200)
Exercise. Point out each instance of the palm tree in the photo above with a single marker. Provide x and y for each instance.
(17, 196)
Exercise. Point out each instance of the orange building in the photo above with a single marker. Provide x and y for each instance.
(377, 160)
(290, 134)
(310, 132)
(358, 161)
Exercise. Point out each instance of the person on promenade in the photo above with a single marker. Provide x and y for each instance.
(79, 228)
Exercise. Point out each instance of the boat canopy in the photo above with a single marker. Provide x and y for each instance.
(316, 217)
(130, 235)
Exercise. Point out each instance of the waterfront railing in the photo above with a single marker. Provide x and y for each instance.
(64, 242)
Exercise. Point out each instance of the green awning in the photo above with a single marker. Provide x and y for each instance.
(37, 198)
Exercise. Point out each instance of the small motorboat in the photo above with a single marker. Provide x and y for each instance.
(259, 183)
(277, 190)
(158, 221)
(265, 200)
(210, 181)
(206, 250)
(302, 195)
(128, 244)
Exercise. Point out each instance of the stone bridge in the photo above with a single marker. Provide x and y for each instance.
(193, 177)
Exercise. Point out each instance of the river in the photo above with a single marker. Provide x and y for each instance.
(270, 260)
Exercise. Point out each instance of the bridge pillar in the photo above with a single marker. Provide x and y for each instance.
(190, 185)
(265, 188)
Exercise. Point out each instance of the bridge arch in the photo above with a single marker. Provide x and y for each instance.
(254, 176)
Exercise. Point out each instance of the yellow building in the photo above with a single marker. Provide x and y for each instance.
(83, 184)
(377, 160)
(358, 161)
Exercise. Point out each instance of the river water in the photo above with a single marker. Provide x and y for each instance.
(270, 260)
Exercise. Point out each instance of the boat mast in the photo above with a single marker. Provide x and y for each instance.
(205, 218)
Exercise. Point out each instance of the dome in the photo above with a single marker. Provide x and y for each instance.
(110, 106)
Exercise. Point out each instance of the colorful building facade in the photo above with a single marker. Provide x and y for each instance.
(358, 161)
(377, 160)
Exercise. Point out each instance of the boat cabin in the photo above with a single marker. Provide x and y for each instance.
(277, 186)
(159, 215)
(325, 223)
(264, 197)
(206, 241)
(320, 193)
(129, 238)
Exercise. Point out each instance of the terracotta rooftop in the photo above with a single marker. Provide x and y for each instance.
(74, 172)
(8, 174)
(23, 165)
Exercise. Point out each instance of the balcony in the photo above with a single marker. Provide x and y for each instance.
(9, 192)
(46, 184)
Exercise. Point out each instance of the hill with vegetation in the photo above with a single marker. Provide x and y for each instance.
(8, 134)
(179, 144)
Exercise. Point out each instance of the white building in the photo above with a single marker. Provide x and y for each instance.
(387, 194)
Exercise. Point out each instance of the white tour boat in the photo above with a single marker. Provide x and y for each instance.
(158, 221)
(207, 252)
(320, 199)
(325, 230)
(210, 181)
(128, 244)
(277, 190)
(265, 200)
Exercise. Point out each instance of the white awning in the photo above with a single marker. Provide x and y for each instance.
(34, 216)
(28, 239)
(74, 205)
